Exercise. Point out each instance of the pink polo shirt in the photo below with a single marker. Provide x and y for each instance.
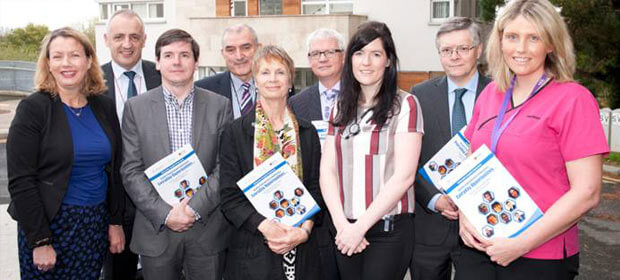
(559, 124)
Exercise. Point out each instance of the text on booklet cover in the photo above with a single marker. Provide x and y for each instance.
(277, 193)
(446, 159)
(491, 199)
(177, 176)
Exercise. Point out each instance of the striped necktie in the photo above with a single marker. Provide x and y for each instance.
(330, 97)
(246, 99)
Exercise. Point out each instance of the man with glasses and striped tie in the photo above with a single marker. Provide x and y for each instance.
(127, 75)
(447, 104)
(239, 43)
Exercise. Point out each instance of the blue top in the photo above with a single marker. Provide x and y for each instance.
(92, 151)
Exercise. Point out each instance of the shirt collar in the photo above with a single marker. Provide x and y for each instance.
(119, 70)
(237, 82)
(471, 86)
(170, 98)
(322, 88)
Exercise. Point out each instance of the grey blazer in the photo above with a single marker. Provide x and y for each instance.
(145, 141)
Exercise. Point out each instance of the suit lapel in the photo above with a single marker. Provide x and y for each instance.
(151, 77)
(224, 85)
(160, 120)
(443, 111)
(109, 77)
(198, 115)
(315, 104)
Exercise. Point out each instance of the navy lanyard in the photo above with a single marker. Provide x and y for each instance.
(497, 130)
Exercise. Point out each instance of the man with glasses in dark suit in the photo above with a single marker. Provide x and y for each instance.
(447, 104)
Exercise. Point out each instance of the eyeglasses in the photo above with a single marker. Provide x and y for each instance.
(327, 53)
(460, 51)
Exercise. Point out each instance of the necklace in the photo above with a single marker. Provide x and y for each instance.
(77, 112)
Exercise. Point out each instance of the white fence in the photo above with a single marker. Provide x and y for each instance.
(610, 119)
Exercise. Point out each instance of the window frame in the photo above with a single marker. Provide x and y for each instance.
(326, 4)
(232, 8)
(434, 20)
(111, 9)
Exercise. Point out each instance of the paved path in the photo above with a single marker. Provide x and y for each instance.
(9, 265)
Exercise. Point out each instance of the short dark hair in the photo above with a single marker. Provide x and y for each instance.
(176, 35)
(387, 101)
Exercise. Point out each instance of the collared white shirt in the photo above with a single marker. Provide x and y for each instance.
(324, 103)
(236, 90)
(179, 118)
(469, 98)
(121, 83)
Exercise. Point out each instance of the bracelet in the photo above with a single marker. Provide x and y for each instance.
(43, 242)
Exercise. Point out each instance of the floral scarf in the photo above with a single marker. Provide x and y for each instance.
(268, 141)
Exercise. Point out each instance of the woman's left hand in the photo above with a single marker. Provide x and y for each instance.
(349, 238)
(117, 238)
(503, 251)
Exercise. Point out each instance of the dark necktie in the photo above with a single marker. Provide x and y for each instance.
(458, 111)
(246, 99)
(131, 89)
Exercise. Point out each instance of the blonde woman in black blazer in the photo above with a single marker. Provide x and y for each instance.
(59, 240)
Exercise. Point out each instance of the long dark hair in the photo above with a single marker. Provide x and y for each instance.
(348, 98)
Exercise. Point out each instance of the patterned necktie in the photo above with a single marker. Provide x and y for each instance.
(131, 89)
(458, 111)
(246, 99)
(330, 97)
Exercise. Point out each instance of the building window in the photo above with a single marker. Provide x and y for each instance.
(441, 10)
(270, 7)
(324, 7)
(146, 10)
(238, 8)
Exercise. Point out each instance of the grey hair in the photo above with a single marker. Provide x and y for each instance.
(238, 28)
(325, 33)
(126, 13)
(457, 24)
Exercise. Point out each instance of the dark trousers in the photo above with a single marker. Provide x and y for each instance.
(327, 249)
(123, 265)
(388, 255)
(473, 264)
(434, 262)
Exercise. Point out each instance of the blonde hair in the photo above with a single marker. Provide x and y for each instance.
(44, 81)
(271, 52)
(559, 64)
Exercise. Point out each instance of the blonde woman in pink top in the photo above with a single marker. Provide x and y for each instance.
(549, 138)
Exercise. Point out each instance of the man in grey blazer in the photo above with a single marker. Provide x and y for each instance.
(189, 237)
(447, 104)
(125, 38)
(239, 44)
(314, 103)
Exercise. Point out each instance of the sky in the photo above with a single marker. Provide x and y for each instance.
(53, 13)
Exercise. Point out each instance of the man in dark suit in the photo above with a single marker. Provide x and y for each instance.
(447, 104)
(239, 43)
(126, 75)
(326, 58)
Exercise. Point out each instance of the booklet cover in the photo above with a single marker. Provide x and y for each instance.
(491, 199)
(446, 159)
(276, 193)
(321, 129)
(177, 176)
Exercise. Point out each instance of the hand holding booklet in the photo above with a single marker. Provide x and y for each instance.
(177, 176)
(277, 193)
(491, 199)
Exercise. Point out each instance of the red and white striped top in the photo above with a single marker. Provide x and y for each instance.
(366, 160)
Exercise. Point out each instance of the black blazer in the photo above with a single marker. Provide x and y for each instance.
(247, 248)
(432, 228)
(152, 77)
(218, 83)
(307, 103)
(40, 159)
